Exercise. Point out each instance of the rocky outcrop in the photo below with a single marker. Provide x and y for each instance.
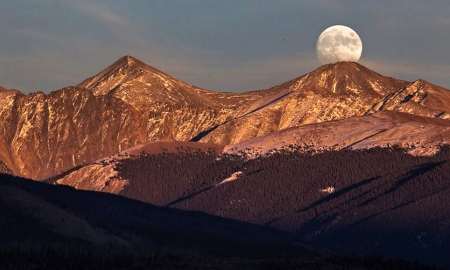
(4, 169)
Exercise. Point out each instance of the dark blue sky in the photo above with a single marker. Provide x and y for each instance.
(229, 45)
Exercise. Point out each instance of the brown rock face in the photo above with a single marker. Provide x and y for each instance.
(4, 169)
(48, 134)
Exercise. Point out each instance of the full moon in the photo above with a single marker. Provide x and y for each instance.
(338, 43)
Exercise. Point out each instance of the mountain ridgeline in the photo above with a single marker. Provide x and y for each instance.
(130, 103)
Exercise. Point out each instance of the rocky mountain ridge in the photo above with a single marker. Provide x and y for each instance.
(131, 103)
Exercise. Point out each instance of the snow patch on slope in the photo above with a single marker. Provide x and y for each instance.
(233, 177)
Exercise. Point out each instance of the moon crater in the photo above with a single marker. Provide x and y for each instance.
(338, 43)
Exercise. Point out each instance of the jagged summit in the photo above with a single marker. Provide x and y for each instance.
(340, 80)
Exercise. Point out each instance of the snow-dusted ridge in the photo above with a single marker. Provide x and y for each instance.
(417, 135)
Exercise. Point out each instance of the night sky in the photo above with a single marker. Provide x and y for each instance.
(228, 45)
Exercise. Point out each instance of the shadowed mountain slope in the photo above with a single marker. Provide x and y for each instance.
(54, 227)
(102, 175)
(384, 201)
(63, 215)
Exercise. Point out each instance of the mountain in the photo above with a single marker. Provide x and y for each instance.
(52, 227)
(104, 220)
(129, 78)
(331, 92)
(173, 109)
(131, 103)
(342, 158)
(126, 105)
(371, 201)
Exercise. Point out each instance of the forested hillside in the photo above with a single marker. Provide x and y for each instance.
(384, 200)
(44, 226)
